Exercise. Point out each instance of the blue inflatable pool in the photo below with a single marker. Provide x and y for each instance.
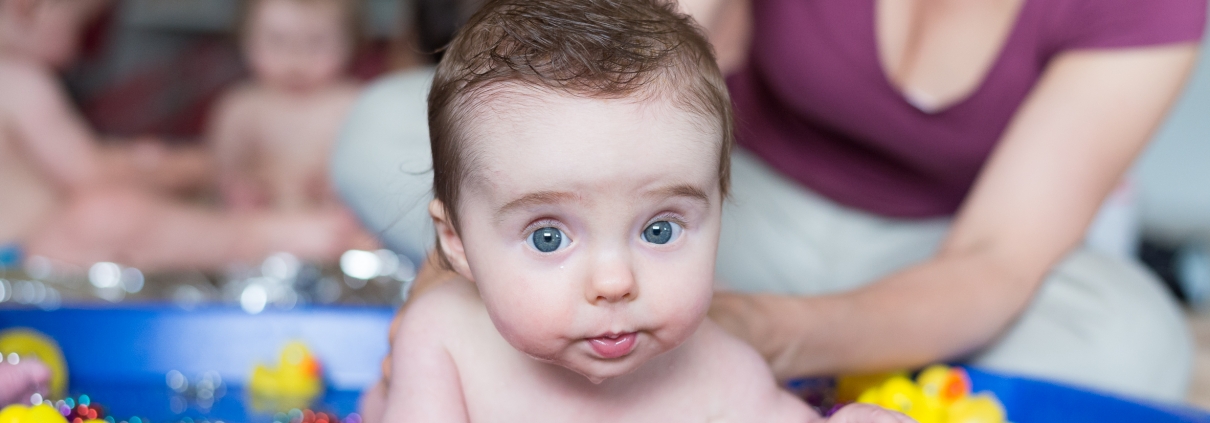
(121, 359)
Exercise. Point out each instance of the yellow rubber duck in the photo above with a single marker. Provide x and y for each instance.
(900, 394)
(940, 394)
(297, 376)
(981, 408)
(849, 387)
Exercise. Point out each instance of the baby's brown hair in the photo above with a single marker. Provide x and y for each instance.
(609, 49)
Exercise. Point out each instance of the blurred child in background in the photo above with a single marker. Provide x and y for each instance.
(272, 136)
(60, 199)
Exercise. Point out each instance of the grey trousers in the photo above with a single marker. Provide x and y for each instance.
(1097, 321)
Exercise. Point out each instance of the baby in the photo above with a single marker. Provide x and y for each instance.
(272, 136)
(60, 198)
(580, 153)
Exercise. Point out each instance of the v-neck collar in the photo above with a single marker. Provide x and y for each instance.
(876, 58)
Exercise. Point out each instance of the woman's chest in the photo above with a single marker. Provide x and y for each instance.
(819, 62)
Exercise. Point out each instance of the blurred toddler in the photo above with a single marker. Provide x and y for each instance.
(272, 136)
(60, 198)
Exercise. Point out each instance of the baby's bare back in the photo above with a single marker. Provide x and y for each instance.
(712, 377)
(280, 142)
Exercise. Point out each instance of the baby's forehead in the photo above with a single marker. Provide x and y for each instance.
(551, 138)
(512, 108)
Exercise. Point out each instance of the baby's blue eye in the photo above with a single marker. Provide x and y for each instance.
(661, 232)
(547, 240)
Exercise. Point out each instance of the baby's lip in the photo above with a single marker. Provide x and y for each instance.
(614, 345)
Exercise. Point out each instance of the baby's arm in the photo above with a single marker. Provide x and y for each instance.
(425, 386)
(56, 138)
(233, 149)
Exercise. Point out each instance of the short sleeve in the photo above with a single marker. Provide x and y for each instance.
(1089, 24)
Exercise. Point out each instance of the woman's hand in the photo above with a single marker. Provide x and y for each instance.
(750, 318)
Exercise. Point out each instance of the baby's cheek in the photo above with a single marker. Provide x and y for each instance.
(534, 327)
(533, 334)
(680, 305)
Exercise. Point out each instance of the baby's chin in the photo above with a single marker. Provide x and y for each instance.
(578, 358)
(597, 370)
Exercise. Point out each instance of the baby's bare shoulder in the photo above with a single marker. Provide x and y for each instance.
(447, 309)
(744, 383)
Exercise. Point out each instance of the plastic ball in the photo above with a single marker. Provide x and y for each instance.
(13, 414)
(41, 413)
(44, 413)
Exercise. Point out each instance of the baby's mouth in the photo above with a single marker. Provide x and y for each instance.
(614, 345)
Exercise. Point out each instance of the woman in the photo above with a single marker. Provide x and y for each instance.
(867, 124)
(916, 177)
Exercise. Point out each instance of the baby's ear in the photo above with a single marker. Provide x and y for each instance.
(449, 244)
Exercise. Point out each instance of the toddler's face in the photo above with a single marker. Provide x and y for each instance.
(591, 226)
(295, 45)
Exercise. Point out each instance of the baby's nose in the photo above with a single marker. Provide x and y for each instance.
(612, 282)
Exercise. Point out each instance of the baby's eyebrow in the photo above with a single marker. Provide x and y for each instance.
(683, 190)
(536, 198)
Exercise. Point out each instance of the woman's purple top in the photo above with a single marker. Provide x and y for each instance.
(813, 101)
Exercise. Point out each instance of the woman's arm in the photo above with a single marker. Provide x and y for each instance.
(1074, 136)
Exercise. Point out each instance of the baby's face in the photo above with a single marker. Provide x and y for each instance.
(591, 226)
(297, 46)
